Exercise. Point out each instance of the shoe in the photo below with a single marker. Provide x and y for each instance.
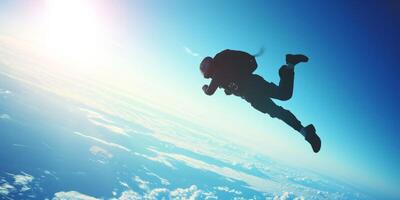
(312, 138)
(296, 58)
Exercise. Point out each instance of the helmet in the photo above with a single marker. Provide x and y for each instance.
(205, 66)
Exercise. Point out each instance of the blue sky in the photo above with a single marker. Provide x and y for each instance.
(349, 90)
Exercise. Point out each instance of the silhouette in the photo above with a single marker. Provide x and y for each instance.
(233, 71)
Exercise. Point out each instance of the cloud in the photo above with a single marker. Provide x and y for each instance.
(158, 193)
(186, 193)
(72, 195)
(190, 52)
(209, 195)
(99, 120)
(157, 158)
(49, 173)
(103, 141)
(5, 189)
(21, 183)
(5, 116)
(254, 182)
(227, 189)
(98, 151)
(124, 184)
(110, 127)
(95, 115)
(162, 180)
(287, 196)
(23, 180)
(189, 193)
(129, 195)
(144, 185)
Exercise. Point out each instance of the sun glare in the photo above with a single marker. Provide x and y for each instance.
(73, 30)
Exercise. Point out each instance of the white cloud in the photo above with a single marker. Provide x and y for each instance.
(49, 173)
(158, 193)
(99, 120)
(98, 151)
(103, 141)
(23, 180)
(124, 184)
(130, 195)
(209, 195)
(110, 127)
(162, 180)
(254, 182)
(287, 196)
(72, 195)
(5, 116)
(190, 52)
(6, 188)
(227, 189)
(144, 185)
(157, 158)
(189, 193)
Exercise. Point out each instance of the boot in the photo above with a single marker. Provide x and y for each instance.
(312, 138)
(296, 58)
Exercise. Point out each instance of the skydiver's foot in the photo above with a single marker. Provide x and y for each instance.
(296, 58)
(312, 138)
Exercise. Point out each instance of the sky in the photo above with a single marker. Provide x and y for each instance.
(348, 90)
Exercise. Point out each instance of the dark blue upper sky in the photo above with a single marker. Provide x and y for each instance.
(349, 89)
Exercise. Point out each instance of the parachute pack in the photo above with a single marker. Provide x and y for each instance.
(235, 63)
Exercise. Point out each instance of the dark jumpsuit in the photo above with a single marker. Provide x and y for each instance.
(258, 92)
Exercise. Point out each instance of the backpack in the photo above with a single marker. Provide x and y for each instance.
(235, 64)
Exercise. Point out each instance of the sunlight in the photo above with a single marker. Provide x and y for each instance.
(73, 31)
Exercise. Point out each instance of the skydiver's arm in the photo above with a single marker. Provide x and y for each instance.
(209, 90)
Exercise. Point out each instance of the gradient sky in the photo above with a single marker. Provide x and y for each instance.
(349, 90)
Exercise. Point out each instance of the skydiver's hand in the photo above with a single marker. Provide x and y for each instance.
(205, 87)
(228, 92)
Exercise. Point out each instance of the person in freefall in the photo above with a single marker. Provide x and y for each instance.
(233, 71)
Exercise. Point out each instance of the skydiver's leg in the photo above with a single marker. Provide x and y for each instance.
(284, 90)
(266, 105)
(258, 87)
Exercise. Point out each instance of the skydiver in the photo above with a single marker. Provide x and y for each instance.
(233, 71)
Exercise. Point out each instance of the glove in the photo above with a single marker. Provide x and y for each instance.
(205, 87)
(228, 92)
